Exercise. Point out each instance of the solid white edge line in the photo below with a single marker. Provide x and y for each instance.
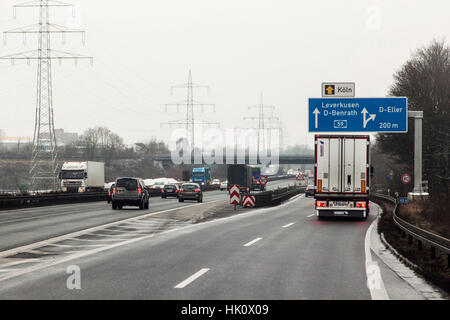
(311, 215)
(373, 273)
(288, 225)
(196, 275)
(252, 242)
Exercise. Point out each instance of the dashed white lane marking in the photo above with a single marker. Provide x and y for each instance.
(310, 215)
(252, 242)
(196, 275)
(288, 225)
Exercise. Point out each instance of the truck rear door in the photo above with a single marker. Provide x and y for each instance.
(341, 164)
(328, 162)
(355, 164)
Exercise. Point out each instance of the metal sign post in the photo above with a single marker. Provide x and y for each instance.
(418, 188)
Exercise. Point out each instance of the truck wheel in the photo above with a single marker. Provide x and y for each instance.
(146, 205)
(180, 200)
(119, 206)
(114, 205)
(141, 205)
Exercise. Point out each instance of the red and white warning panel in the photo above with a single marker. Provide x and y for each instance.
(249, 201)
(235, 196)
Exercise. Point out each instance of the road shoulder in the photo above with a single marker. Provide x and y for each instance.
(401, 282)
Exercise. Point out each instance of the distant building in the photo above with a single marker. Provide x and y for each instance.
(14, 143)
(63, 138)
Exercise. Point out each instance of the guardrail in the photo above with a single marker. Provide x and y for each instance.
(46, 199)
(274, 197)
(24, 201)
(433, 240)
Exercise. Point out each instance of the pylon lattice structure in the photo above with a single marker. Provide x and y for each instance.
(265, 123)
(190, 122)
(43, 168)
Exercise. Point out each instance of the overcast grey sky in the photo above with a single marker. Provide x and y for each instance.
(239, 48)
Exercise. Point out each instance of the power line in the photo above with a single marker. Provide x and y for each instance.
(44, 154)
(264, 123)
(189, 122)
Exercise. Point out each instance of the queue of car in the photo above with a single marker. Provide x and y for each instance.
(132, 191)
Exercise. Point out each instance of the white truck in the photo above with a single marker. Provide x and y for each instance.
(341, 175)
(82, 176)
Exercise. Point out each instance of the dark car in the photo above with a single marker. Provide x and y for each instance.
(190, 191)
(130, 192)
(170, 190)
(110, 192)
(309, 191)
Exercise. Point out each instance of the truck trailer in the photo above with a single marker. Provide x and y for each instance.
(81, 176)
(240, 174)
(341, 175)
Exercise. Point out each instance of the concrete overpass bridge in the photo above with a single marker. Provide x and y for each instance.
(166, 159)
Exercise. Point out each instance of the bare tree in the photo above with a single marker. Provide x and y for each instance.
(425, 80)
(101, 143)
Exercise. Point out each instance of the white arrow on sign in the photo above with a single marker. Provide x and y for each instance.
(316, 113)
(371, 117)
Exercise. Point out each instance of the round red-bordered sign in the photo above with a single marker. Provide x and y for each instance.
(263, 180)
(406, 178)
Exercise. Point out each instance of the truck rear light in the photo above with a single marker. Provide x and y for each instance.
(363, 185)
(114, 190)
(321, 204)
(197, 190)
(162, 190)
(360, 204)
(181, 190)
(139, 191)
(319, 185)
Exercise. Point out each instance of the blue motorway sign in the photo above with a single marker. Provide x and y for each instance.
(358, 114)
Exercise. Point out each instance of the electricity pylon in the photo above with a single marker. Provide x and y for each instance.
(262, 125)
(43, 169)
(189, 122)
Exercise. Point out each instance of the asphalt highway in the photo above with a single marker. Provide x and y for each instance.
(24, 226)
(282, 252)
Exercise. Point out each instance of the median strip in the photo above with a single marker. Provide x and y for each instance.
(86, 231)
